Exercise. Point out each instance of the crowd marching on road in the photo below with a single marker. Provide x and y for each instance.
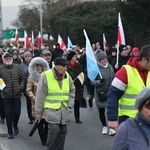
(53, 83)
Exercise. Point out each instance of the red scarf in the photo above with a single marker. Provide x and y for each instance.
(72, 64)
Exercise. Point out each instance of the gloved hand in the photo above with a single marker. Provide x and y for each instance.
(102, 81)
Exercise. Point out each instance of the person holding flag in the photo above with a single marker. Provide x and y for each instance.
(101, 88)
(128, 82)
(75, 71)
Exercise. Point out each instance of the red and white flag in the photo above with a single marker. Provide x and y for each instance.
(16, 37)
(104, 42)
(61, 42)
(26, 41)
(121, 38)
(32, 40)
(39, 40)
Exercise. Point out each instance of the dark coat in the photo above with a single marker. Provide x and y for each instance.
(101, 90)
(74, 72)
(57, 53)
(128, 136)
(14, 79)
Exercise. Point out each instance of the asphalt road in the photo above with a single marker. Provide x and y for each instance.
(85, 136)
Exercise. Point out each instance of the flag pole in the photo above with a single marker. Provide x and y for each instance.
(117, 59)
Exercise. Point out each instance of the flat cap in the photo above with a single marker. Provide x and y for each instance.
(44, 52)
(7, 54)
(60, 61)
(142, 97)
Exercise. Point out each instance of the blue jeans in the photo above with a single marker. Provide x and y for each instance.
(12, 108)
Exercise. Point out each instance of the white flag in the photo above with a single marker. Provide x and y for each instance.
(2, 84)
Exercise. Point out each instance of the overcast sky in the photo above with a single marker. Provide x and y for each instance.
(9, 12)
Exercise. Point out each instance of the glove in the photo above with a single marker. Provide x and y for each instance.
(102, 81)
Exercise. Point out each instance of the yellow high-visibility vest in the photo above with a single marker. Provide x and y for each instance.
(56, 96)
(135, 85)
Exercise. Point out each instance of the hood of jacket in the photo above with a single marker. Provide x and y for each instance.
(133, 61)
(32, 67)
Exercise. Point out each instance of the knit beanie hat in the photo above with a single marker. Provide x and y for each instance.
(135, 50)
(101, 55)
(70, 55)
(26, 54)
(142, 97)
(122, 47)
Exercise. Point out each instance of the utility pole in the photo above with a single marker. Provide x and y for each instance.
(41, 20)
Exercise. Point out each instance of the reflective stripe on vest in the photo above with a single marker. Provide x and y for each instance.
(135, 85)
(56, 95)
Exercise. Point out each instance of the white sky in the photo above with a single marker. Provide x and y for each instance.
(9, 12)
(11, 2)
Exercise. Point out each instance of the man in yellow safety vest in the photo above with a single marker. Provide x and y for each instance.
(55, 98)
(128, 82)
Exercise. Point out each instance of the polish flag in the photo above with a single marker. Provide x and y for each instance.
(61, 42)
(39, 40)
(121, 38)
(32, 40)
(104, 42)
(16, 37)
(26, 41)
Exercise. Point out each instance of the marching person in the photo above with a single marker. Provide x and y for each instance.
(36, 67)
(24, 65)
(74, 69)
(102, 87)
(14, 79)
(128, 82)
(55, 98)
(136, 129)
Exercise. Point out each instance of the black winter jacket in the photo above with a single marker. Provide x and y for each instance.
(14, 79)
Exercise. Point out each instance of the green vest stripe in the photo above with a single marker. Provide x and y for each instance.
(56, 95)
(129, 96)
(135, 85)
(127, 107)
(56, 101)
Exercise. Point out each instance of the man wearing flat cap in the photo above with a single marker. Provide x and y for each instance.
(55, 98)
(14, 79)
(47, 55)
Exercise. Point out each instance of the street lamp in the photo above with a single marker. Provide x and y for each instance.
(41, 21)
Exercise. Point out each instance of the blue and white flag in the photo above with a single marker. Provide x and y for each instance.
(69, 43)
(92, 67)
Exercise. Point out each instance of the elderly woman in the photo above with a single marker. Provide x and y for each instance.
(102, 85)
(134, 133)
(36, 67)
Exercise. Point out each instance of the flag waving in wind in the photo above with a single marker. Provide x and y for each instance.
(69, 44)
(121, 38)
(39, 40)
(61, 42)
(16, 37)
(104, 42)
(32, 40)
(26, 41)
(92, 67)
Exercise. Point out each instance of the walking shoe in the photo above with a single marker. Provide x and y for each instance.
(10, 136)
(104, 130)
(31, 122)
(16, 130)
(43, 143)
(78, 121)
(90, 103)
(111, 131)
(2, 121)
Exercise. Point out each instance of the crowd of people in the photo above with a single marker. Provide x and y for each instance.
(49, 80)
